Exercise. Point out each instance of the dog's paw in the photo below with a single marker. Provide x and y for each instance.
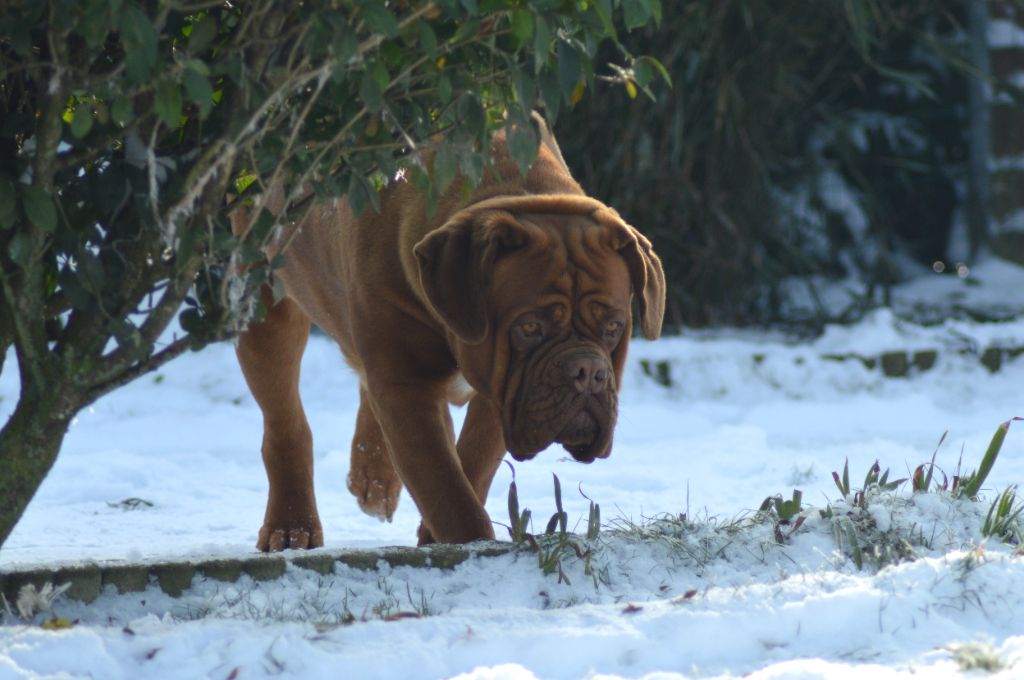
(372, 479)
(376, 490)
(276, 537)
(423, 536)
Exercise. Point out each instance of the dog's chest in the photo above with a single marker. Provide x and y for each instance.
(459, 390)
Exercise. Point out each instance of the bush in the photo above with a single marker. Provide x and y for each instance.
(798, 138)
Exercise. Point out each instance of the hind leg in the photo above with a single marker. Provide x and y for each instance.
(270, 353)
(371, 477)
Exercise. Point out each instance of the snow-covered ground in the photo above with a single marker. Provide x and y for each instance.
(746, 416)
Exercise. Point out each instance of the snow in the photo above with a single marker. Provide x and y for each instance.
(685, 581)
(1004, 33)
(988, 286)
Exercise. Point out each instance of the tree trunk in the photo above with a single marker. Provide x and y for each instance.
(29, 443)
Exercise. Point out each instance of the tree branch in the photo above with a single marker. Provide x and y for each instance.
(178, 347)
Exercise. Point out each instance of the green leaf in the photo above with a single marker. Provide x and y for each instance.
(370, 92)
(471, 164)
(972, 485)
(444, 89)
(168, 103)
(90, 271)
(199, 66)
(472, 115)
(344, 46)
(444, 168)
(526, 90)
(199, 90)
(362, 194)
(635, 13)
(471, 7)
(20, 249)
(378, 19)
(261, 226)
(655, 9)
(8, 204)
(523, 142)
(39, 208)
(277, 289)
(658, 66)
(603, 8)
(428, 39)
(541, 43)
(203, 33)
(568, 68)
(191, 321)
(81, 123)
(418, 177)
(139, 39)
(122, 110)
(551, 95)
(381, 75)
(92, 24)
(521, 23)
(467, 30)
(643, 73)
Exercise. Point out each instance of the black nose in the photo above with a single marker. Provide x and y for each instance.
(588, 372)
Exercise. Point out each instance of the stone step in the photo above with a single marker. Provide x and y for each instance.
(89, 579)
(892, 364)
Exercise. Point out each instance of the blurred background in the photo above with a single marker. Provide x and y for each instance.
(802, 144)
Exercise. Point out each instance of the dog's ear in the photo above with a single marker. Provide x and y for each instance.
(455, 265)
(645, 271)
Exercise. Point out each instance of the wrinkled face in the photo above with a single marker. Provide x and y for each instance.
(554, 359)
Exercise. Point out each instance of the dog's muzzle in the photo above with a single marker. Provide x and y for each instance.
(587, 373)
(569, 399)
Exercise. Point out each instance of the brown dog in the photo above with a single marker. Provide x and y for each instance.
(517, 301)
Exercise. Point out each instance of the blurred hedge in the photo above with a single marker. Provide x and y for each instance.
(798, 138)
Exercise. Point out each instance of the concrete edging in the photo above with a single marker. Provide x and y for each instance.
(893, 364)
(89, 579)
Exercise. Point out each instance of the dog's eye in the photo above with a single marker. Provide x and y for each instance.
(612, 327)
(531, 329)
(527, 334)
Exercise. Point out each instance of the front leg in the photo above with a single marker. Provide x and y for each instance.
(415, 421)
(481, 448)
(371, 475)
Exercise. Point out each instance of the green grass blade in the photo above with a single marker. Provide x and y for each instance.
(972, 485)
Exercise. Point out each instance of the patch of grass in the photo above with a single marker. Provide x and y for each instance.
(971, 484)
(1004, 518)
(556, 543)
(874, 479)
(977, 656)
(802, 476)
(924, 474)
(694, 544)
(858, 536)
(519, 522)
(659, 371)
(321, 606)
(788, 515)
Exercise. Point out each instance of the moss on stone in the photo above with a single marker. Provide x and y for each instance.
(265, 568)
(127, 579)
(228, 570)
(174, 578)
(322, 563)
(895, 364)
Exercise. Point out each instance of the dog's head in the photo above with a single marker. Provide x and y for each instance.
(536, 293)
